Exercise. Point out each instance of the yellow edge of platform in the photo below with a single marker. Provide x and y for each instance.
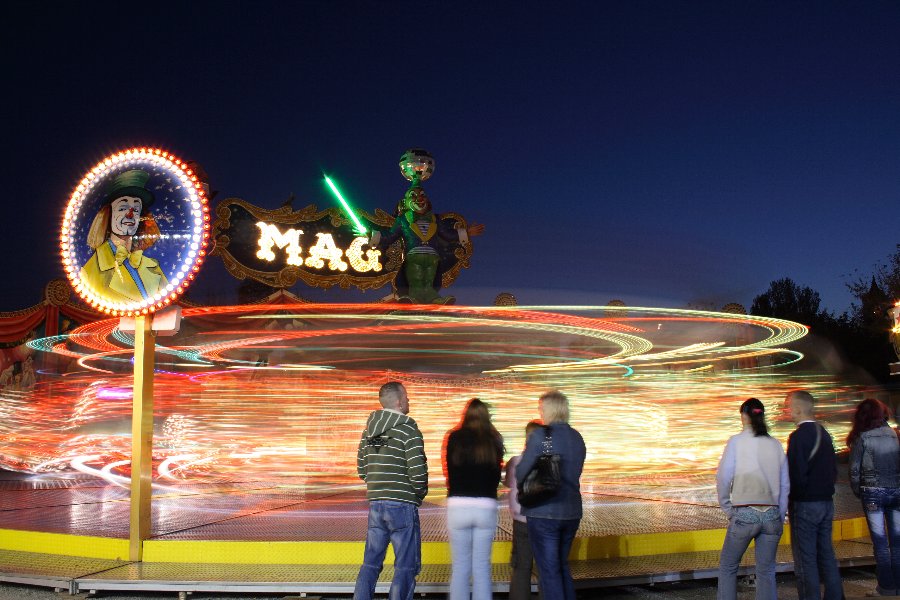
(330, 553)
(299, 553)
(86, 546)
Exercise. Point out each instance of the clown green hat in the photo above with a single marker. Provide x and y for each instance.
(130, 183)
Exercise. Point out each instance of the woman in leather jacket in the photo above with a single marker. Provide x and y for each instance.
(875, 478)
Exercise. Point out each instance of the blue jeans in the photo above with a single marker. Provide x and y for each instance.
(745, 525)
(396, 523)
(551, 541)
(471, 536)
(814, 560)
(882, 508)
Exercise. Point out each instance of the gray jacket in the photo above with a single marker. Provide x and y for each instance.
(875, 460)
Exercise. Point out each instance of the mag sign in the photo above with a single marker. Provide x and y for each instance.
(135, 232)
(319, 247)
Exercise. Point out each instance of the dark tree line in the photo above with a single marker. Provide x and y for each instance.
(859, 336)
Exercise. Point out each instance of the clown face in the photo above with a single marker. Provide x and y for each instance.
(417, 201)
(126, 215)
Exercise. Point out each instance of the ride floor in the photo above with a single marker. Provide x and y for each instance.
(71, 532)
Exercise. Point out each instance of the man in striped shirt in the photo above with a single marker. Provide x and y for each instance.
(391, 460)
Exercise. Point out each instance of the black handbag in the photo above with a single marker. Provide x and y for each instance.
(543, 480)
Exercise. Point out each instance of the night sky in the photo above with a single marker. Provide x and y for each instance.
(661, 153)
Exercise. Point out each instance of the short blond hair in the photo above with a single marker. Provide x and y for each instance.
(390, 394)
(555, 407)
(803, 396)
(803, 402)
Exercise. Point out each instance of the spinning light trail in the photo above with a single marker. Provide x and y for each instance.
(281, 392)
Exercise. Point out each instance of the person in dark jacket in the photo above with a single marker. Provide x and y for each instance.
(474, 456)
(391, 460)
(875, 478)
(813, 470)
(553, 524)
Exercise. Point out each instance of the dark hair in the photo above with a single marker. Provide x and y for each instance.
(870, 414)
(487, 443)
(756, 412)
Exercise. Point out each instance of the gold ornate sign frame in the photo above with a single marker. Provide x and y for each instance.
(333, 218)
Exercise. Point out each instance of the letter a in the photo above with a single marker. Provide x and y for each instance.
(326, 248)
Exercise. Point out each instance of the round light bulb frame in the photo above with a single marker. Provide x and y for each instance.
(183, 189)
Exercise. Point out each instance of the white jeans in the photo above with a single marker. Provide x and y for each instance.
(471, 535)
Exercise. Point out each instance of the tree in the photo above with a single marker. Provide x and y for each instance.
(882, 289)
(836, 344)
(787, 300)
(861, 336)
(869, 317)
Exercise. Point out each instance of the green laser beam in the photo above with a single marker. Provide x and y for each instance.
(359, 226)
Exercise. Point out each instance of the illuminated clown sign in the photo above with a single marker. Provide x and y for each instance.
(135, 232)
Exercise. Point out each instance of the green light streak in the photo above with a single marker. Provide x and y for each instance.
(359, 226)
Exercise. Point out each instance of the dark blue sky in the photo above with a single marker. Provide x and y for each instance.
(657, 152)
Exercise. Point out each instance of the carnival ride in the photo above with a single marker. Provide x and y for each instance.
(258, 409)
(276, 391)
(254, 411)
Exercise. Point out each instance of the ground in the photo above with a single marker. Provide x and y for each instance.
(857, 582)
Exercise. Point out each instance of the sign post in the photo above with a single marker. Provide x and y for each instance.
(141, 436)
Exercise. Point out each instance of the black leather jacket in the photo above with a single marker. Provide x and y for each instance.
(875, 460)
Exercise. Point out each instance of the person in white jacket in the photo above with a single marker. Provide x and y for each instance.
(753, 483)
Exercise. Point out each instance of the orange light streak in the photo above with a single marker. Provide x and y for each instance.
(283, 391)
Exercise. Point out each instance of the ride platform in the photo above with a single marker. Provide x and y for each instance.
(70, 532)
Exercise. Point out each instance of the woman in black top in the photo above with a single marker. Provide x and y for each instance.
(473, 459)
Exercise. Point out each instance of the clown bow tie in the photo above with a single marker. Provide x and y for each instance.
(133, 257)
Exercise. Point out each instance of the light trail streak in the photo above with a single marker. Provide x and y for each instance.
(359, 226)
(655, 392)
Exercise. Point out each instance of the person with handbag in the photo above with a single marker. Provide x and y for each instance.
(473, 461)
(553, 521)
(753, 484)
(875, 479)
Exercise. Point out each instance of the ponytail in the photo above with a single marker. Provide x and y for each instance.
(756, 412)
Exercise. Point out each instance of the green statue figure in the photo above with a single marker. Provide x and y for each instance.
(429, 239)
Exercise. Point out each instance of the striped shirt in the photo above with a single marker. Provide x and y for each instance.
(391, 458)
(423, 225)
